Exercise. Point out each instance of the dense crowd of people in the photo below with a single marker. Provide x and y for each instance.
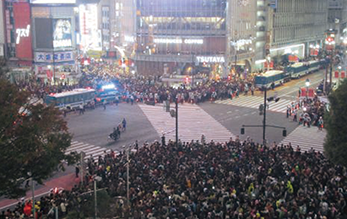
(234, 179)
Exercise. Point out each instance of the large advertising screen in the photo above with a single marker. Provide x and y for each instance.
(62, 33)
(53, 1)
(22, 25)
(43, 33)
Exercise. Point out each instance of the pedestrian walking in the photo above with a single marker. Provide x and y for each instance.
(124, 123)
(163, 140)
(252, 89)
(320, 123)
(104, 104)
(288, 111)
(77, 170)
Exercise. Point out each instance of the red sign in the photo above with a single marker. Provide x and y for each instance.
(336, 74)
(303, 92)
(314, 52)
(22, 25)
(292, 58)
(343, 74)
(311, 92)
(270, 64)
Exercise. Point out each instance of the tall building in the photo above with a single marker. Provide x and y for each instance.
(292, 26)
(337, 19)
(182, 36)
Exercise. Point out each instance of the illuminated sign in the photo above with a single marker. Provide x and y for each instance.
(53, 1)
(22, 25)
(210, 59)
(178, 41)
(62, 33)
(129, 39)
(90, 34)
(193, 41)
(21, 32)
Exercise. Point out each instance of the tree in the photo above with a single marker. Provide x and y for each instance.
(335, 145)
(33, 140)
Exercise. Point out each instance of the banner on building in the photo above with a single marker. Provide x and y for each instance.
(336, 74)
(58, 56)
(22, 25)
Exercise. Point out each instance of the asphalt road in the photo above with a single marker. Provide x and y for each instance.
(95, 125)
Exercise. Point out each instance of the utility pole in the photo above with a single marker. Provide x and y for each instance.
(33, 194)
(95, 201)
(128, 195)
(176, 102)
(264, 116)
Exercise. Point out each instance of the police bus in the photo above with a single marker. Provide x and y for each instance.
(73, 99)
(275, 77)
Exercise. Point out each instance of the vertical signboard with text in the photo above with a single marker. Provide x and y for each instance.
(22, 25)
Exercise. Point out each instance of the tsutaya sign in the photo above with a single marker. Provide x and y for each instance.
(21, 32)
(210, 59)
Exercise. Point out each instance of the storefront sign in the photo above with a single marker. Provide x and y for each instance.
(22, 23)
(58, 57)
(210, 59)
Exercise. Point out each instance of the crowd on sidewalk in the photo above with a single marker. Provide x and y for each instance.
(307, 112)
(236, 179)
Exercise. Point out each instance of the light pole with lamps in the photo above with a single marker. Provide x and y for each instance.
(96, 179)
(307, 83)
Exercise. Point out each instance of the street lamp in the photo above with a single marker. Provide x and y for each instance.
(307, 83)
(96, 178)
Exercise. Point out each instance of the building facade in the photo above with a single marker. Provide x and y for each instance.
(337, 19)
(293, 26)
(179, 37)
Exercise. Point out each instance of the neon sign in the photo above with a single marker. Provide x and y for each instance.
(21, 32)
(210, 59)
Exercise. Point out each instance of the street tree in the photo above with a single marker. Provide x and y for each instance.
(335, 145)
(33, 140)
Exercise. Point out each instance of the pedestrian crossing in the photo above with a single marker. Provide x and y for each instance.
(306, 138)
(193, 121)
(255, 101)
(88, 149)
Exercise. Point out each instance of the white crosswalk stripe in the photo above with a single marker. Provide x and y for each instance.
(88, 149)
(255, 101)
(193, 121)
(306, 138)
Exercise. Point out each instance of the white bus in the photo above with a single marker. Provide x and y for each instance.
(70, 100)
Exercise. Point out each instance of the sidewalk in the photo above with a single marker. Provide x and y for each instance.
(66, 182)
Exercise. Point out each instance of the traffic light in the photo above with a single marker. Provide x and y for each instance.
(277, 99)
(284, 133)
(242, 131)
(270, 99)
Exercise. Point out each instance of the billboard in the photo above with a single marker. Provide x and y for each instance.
(22, 25)
(43, 33)
(62, 33)
(90, 35)
(53, 1)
